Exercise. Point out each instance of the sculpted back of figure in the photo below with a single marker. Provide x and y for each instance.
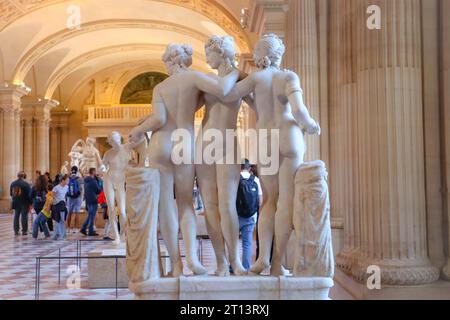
(279, 106)
(175, 101)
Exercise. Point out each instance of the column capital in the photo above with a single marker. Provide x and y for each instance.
(39, 108)
(10, 96)
(27, 122)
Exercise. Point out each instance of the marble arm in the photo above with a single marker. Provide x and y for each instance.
(250, 101)
(294, 94)
(101, 165)
(219, 87)
(151, 123)
(201, 102)
(130, 146)
(104, 163)
(242, 89)
(79, 141)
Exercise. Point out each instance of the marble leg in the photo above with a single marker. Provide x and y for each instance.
(284, 214)
(227, 183)
(168, 220)
(266, 222)
(206, 178)
(184, 181)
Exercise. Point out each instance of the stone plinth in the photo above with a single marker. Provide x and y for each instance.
(102, 272)
(233, 288)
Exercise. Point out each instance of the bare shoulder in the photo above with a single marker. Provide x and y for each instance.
(290, 76)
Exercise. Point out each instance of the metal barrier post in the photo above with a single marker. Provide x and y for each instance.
(116, 280)
(59, 266)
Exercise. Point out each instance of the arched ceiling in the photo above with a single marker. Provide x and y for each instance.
(35, 38)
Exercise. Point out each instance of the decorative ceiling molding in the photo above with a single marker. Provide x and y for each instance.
(34, 54)
(58, 76)
(10, 11)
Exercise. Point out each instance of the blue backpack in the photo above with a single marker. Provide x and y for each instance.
(247, 201)
(74, 188)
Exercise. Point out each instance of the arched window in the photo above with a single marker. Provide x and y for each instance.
(140, 89)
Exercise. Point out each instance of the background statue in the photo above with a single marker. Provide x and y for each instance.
(64, 168)
(279, 105)
(91, 156)
(314, 250)
(76, 153)
(90, 100)
(115, 163)
(175, 101)
(218, 183)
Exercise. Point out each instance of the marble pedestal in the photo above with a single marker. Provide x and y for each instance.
(102, 272)
(233, 288)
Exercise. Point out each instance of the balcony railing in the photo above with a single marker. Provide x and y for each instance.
(122, 113)
(116, 113)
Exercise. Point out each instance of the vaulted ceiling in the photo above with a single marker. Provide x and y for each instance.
(38, 48)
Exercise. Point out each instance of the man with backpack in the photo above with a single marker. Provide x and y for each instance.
(20, 192)
(74, 198)
(92, 188)
(248, 200)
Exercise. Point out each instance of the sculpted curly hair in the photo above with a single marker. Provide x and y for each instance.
(178, 55)
(222, 45)
(269, 51)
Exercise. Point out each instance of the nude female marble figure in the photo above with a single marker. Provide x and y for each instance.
(279, 105)
(175, 101)
(115, 162)
(218, 183)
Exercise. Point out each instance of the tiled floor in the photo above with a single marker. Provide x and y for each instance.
(18, 267)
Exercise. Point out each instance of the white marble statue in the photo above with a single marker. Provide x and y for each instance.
(64, 168)
(314, 250)
(175, 101)
(91, 156)
(115, 162)
(76, 154)
(279, 105)
(218, 183)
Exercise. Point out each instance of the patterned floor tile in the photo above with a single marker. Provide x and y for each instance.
(18, 267)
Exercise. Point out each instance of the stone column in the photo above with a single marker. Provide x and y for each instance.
(445, 78)
(41, 144)
(343, 179)
(302, 57)
(28, 146)
(39, 111)
(432, 132)
(10, 107)
(390, 143)
(55, 150)
(18, 139)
